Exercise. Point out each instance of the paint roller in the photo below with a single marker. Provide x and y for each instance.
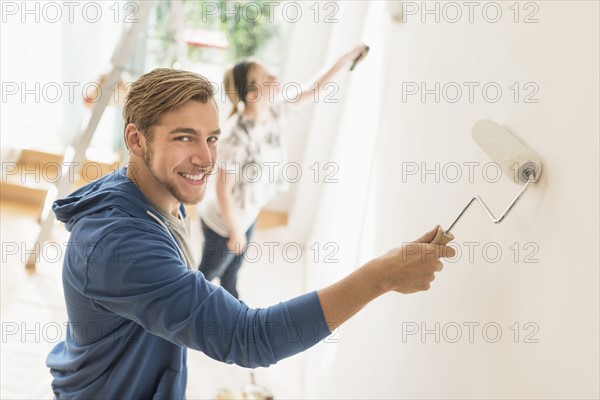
(516, 161)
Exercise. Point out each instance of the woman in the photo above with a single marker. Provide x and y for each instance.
(251, 160)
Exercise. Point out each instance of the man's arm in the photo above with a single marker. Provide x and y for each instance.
(408, 269)
(136, 272)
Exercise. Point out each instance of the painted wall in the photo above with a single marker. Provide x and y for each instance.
(516, 314)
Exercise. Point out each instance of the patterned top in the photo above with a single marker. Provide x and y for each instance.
(256, 153)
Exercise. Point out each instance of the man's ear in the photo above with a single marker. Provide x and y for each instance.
(135, 140)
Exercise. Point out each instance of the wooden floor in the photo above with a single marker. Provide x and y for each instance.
(31, 305)
(33, 311)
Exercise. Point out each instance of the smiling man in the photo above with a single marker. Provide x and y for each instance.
(134, 302)
(185, 137)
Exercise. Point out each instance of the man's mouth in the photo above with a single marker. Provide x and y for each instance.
(195, 178)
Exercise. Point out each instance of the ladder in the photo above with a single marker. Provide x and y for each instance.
(75, 153)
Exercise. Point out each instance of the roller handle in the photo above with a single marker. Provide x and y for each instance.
(442, 237)
(365, 51)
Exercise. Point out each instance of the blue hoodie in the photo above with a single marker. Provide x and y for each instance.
(134, 308)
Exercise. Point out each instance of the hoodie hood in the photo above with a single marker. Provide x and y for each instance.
(112, 192)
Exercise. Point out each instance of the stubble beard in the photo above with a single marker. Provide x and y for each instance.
(168, 185)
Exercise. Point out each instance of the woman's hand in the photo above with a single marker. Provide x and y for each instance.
(358, 53)
(236, 243)
(321, 79)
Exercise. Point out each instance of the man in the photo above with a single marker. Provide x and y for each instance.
(135, 303)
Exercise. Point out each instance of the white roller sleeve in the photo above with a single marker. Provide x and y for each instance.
(505, 150)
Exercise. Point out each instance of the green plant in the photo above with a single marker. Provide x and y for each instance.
(247, 29)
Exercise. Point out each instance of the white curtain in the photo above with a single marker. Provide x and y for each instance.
(331, 214)
(330, 208)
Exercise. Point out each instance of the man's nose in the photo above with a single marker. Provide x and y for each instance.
(202, 155)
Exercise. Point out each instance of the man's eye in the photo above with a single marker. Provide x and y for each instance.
(213, 139)
(183, 138)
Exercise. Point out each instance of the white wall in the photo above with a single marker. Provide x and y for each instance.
(557, 219)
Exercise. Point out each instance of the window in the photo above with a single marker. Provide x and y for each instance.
(41, 57)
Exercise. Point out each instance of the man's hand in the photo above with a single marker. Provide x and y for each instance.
(407, 269)
(412, 267)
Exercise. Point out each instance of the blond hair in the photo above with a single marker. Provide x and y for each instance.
(160, 91)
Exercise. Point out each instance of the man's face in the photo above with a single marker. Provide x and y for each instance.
(183, 151)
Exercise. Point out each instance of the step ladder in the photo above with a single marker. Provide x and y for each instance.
(75, 154)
